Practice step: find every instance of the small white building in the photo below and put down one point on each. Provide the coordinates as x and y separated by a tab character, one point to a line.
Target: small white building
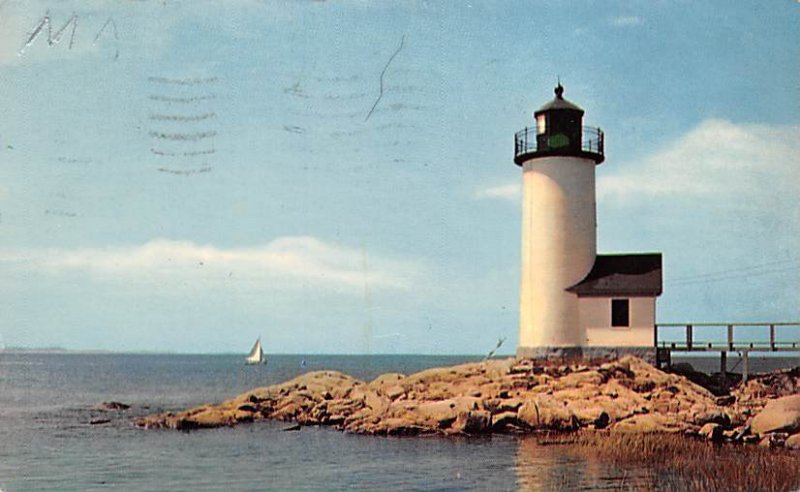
617	304
574	302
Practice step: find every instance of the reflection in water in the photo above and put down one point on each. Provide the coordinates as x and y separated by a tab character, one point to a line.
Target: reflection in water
543	467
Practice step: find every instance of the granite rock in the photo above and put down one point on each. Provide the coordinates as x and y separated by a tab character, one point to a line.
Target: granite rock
510	395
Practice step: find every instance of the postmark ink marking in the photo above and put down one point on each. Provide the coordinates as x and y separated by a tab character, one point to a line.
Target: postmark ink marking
383	72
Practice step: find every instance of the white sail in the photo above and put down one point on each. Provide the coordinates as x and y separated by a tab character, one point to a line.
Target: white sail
256	355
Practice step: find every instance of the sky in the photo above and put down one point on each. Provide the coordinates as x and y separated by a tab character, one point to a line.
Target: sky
337	176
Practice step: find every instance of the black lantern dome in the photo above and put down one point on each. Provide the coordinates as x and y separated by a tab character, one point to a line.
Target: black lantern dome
559	130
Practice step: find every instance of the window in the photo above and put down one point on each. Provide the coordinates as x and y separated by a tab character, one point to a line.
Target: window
540	124
620	312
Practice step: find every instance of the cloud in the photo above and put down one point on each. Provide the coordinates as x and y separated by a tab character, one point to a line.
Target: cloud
626	21
716	158
284	262
511	192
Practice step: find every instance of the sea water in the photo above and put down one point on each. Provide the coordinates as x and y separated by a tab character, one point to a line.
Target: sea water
47	440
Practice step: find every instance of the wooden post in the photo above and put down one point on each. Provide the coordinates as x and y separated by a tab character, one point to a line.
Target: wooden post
730	337
689	337
772	337
723	367
745	366
663	358
655	335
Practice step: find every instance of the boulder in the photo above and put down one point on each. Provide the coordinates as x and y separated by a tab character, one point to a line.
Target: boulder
379	404
318	391
287	412
441	413
711	416
207	417
726	400
711	431
503	421
595	416
668	406
394	392
583	378
436	390
408	409
776	440
472	422
360	420
428	376
344	406
110	406
781	415
510	405
398	426
546	413
242	416
580	394
388	379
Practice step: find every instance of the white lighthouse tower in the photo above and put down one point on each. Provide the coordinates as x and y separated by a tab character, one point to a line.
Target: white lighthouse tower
574	302
559	238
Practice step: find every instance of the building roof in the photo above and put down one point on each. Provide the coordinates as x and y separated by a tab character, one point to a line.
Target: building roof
633	275
559	102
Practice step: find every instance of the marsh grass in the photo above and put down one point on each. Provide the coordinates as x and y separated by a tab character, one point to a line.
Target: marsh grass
681	463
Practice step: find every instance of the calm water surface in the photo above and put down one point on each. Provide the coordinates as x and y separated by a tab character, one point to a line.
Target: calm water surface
47	442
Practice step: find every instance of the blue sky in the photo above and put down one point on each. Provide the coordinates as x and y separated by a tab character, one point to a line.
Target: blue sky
186	176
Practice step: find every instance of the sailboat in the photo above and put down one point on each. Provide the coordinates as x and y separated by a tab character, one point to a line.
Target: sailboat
256	355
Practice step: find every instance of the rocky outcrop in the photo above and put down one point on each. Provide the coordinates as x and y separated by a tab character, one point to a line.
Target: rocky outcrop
627	395
112	406
762	387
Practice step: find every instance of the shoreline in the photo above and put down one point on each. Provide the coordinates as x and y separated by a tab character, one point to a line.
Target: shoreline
517	396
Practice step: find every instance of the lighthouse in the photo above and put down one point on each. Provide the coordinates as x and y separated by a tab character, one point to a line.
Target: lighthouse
573	302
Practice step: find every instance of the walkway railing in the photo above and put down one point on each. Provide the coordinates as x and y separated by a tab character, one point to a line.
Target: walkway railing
696	337
728	337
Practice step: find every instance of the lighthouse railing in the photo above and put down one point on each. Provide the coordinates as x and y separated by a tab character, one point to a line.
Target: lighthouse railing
592	140
525	141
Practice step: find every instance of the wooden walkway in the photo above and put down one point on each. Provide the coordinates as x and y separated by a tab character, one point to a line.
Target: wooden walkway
736	337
